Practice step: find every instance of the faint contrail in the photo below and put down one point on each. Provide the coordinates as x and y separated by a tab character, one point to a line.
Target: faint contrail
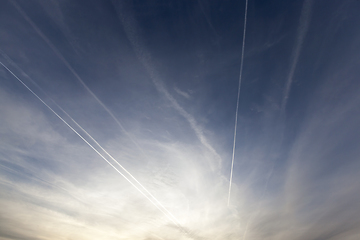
237	102
59	55
162	208
207	18
144	56
301	33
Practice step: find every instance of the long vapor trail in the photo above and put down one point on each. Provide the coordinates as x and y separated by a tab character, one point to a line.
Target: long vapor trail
71	69
161	207
237	102
88	134
301	33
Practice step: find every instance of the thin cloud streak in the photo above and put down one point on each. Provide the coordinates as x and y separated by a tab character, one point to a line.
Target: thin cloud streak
71	69
144	56
304	22
182	93
237	103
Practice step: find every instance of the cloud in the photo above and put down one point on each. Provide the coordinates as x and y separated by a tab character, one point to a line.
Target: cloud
182	93
132	32
320	191
301	33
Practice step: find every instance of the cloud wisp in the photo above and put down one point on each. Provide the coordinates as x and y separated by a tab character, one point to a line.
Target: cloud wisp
72	70
303	27
132	32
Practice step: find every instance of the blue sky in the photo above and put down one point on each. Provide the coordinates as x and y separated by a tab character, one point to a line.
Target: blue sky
117	120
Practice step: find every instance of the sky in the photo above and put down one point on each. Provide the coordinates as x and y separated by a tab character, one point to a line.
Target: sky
117	119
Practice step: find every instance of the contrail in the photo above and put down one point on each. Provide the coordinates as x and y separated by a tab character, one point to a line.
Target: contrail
191	120
98	144
207	18
59	55
88	134
162	208
237	102
301	33
144	56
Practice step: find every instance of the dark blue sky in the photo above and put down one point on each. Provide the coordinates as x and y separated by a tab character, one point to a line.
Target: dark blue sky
117	119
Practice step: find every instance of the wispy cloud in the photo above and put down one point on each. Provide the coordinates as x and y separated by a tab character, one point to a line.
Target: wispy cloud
304	22
132	32
72	70
182	93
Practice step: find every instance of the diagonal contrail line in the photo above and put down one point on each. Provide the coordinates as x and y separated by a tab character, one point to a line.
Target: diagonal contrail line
88	134
237	102
169	216
98	144
71	69
302	30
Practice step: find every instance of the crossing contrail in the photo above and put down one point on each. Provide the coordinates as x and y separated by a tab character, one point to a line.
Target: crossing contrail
158	206
237	102
71	69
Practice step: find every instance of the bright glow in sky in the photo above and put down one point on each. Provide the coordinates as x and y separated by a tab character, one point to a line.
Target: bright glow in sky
117	120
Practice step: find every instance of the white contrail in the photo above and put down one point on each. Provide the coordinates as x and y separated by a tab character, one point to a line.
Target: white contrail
59	55
301	33
98	144
207	18
237	102
144	56
162	208
88	134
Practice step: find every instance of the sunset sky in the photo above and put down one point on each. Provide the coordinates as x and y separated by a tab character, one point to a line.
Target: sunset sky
117	120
